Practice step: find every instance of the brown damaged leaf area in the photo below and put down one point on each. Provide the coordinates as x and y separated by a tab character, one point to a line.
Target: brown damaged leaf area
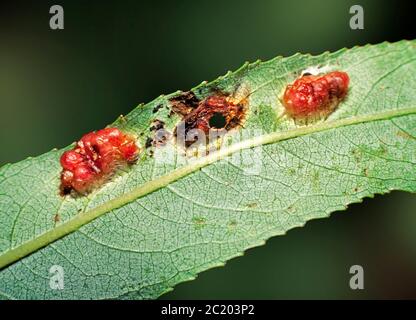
160	136
216	114
184	103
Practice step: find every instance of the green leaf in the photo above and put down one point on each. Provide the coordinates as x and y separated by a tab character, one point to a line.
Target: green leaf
159	223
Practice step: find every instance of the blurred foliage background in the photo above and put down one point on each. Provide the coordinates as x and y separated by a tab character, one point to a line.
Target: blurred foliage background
112	55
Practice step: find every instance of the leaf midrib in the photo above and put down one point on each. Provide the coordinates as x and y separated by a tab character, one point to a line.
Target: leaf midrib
82	219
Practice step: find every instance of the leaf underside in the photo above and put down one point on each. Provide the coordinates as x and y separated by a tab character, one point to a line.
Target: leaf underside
155	225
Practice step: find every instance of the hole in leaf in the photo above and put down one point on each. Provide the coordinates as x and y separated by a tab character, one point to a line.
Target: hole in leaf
217	121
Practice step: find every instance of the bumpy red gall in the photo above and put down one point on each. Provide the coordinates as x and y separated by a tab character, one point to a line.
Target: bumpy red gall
315	96
95	157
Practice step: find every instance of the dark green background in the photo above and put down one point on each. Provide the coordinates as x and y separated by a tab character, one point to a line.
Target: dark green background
112	55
